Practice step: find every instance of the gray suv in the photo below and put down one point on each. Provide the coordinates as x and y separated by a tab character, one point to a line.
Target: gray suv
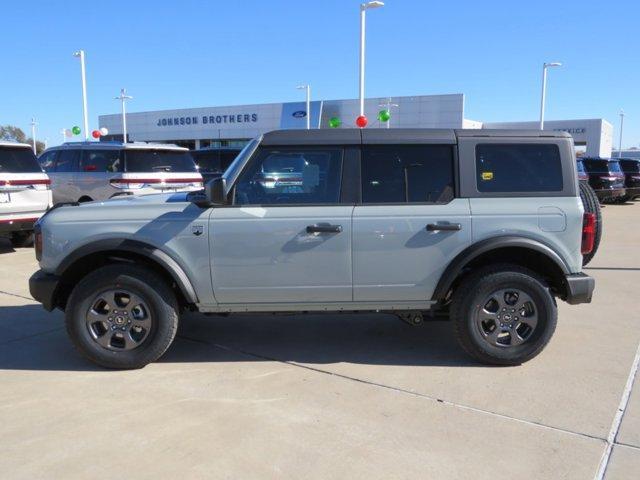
87	171
484	226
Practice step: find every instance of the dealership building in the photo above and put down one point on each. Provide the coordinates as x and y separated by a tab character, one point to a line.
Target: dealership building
235	125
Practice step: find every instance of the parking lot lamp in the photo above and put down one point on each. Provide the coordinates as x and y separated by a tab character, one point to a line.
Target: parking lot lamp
123	97
80	54
363	8
621	125
307	87
544	88
33	134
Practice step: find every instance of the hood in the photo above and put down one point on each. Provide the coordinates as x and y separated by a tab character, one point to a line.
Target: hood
153	198
129	208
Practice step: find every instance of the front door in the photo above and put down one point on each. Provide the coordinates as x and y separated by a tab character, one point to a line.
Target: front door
287	236
410	224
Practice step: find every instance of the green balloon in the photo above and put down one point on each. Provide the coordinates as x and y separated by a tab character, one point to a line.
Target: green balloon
384	115
334	122
76	130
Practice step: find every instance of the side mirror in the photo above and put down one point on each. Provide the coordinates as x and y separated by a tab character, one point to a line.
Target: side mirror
214	193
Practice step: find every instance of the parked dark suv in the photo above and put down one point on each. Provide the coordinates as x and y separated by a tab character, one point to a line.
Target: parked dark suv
212	162
631	169
605	177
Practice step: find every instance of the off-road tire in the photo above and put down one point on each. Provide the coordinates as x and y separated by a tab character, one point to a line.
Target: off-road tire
591	205
468	300
144	283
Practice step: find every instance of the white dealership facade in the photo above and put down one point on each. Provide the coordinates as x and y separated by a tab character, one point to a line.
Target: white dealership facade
234	125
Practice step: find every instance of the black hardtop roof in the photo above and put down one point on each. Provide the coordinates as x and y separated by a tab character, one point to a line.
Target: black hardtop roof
353	136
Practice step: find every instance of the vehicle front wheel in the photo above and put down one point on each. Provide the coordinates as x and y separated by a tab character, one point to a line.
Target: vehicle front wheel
122	316
503	315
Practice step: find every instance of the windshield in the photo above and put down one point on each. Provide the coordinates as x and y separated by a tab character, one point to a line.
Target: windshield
233	171
580	167
148	160
18	160
614	166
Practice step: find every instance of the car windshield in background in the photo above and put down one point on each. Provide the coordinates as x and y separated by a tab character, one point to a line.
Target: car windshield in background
596	166
615	167
214	161
630	166
147	160
18	160
284	164
581	167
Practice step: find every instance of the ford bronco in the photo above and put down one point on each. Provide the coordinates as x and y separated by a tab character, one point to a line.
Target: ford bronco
484	226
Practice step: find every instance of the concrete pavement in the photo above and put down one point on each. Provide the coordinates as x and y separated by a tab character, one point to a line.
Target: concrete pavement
326	396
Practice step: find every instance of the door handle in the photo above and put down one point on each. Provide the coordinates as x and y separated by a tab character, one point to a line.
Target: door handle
443	227
324	228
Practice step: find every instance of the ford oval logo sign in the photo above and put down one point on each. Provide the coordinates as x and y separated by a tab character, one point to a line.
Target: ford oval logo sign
299	114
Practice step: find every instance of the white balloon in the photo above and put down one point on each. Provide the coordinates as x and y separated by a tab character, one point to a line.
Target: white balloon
104	131
68	132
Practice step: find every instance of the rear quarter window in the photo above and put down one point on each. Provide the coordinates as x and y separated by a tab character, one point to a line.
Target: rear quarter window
18	160
518	168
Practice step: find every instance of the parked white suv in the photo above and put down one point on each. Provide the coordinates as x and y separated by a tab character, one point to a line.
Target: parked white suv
25	192
87	171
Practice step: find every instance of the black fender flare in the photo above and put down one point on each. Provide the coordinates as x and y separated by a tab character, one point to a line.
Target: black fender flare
140	248
457	264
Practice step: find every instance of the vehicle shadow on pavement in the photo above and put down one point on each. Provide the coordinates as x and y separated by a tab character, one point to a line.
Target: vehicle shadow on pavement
33	339
5	246
375	339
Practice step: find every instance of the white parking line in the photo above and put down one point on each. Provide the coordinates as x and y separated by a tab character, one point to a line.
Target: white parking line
617	419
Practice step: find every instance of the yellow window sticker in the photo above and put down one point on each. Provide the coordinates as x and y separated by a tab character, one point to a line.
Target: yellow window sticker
487	175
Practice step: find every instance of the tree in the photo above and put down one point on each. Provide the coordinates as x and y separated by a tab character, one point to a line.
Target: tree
14	134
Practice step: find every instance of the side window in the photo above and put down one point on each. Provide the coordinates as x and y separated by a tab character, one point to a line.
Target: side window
48	161
407	174
518	168
291	176
101	161
67	161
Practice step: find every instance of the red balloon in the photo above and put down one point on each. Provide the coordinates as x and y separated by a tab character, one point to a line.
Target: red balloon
96	134
361	121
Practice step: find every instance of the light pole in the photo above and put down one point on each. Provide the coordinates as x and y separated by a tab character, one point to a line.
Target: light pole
544	88
123	97
363	9
307	87
388	106
621	125
33	134
85	115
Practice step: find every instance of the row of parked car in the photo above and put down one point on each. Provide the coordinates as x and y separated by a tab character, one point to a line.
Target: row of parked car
88	171
614	180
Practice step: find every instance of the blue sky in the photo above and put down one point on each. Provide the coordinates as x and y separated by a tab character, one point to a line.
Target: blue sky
205	53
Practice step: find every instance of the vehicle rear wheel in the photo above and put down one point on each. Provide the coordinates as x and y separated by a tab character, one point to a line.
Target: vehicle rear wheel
503	314
591	205
22	239
122	316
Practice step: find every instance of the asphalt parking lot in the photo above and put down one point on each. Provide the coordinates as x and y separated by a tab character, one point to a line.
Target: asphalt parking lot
327	396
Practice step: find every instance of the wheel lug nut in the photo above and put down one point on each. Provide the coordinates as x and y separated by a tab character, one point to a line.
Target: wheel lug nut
113	327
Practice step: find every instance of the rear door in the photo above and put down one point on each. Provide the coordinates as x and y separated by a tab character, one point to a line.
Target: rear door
285	240
64	184
410	224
